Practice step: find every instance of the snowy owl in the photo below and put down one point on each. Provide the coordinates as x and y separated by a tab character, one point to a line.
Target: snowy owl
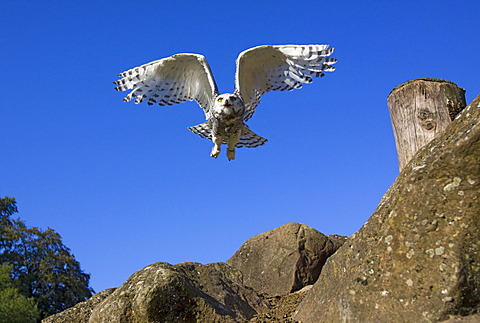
187	77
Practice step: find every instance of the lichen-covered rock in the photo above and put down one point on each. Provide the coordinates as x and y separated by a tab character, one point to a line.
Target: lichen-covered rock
281	307
285	259
417	259
81	312
464	319
187	292
337	240
290	257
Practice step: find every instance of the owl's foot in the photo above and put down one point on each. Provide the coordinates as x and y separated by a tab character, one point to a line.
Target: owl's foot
217	142
232	142
231	154
215	151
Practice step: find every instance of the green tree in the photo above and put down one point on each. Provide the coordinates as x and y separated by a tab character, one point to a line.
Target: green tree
43	267
14	307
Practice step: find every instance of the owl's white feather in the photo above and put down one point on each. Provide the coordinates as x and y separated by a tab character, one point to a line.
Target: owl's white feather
171	80
187	77
248	139
278	68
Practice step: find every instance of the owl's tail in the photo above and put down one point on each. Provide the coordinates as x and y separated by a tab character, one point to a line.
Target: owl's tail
248	139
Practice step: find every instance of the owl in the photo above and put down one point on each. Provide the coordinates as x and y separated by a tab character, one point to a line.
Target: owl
187	77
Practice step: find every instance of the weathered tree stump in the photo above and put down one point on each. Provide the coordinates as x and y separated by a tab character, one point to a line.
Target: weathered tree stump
420	109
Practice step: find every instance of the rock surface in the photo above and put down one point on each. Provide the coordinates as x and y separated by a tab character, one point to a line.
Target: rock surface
81	312
464	319
192	292
281	307
417	259
285	259
187	292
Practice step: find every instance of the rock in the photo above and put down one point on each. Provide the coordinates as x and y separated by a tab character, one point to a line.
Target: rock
81	312
417	258
192	292
281	307
285	259
464	319
337	240
187	292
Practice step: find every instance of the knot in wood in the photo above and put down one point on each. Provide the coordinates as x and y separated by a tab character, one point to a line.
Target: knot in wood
427	119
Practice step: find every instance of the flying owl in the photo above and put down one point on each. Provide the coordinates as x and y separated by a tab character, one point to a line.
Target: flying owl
187	77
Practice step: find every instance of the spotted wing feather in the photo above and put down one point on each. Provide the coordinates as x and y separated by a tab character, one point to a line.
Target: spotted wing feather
248	138
171	80
279	68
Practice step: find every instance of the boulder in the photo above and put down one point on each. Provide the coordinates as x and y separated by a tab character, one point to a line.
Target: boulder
285	259
187	292
417	258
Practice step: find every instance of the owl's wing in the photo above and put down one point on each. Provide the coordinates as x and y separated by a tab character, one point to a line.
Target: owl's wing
278	68
171	80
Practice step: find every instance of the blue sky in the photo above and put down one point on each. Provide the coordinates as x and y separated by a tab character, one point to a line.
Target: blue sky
128	185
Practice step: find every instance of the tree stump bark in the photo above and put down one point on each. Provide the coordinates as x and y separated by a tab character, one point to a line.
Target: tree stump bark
420	109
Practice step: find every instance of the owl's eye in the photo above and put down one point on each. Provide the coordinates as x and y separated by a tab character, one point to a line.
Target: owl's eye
220	99
233	98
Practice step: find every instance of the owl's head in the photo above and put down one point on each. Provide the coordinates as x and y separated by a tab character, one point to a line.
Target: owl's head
228	104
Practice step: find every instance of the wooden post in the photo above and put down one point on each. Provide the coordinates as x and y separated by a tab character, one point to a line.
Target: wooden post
420	109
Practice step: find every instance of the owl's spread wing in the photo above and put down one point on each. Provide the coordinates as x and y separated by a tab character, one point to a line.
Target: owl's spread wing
171	80
278	68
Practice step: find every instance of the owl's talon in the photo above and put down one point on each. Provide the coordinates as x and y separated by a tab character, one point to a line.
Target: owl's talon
231	154
215	152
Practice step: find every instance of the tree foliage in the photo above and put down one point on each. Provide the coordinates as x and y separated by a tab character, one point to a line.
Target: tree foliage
14	307
43	267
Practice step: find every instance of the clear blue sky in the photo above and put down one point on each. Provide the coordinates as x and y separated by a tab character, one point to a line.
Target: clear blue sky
128	185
